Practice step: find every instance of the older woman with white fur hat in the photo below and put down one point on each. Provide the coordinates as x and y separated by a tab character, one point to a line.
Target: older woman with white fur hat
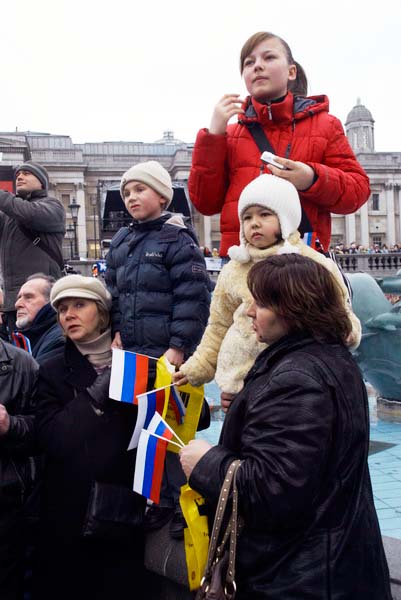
269	211
84	436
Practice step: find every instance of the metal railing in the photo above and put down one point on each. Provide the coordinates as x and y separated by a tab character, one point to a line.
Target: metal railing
375	264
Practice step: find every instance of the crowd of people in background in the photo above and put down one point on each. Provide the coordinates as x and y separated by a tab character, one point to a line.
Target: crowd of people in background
355	248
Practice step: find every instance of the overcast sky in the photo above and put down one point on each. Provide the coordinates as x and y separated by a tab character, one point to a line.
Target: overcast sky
120	70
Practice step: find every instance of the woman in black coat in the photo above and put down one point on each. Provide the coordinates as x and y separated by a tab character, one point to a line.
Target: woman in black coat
84	436
301	427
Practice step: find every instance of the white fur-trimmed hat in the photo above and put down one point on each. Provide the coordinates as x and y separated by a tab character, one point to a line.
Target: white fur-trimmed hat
278	195
153	174
78	286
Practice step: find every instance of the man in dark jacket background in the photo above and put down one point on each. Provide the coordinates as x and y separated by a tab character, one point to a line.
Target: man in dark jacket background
32	227
3	328
18	376
36	318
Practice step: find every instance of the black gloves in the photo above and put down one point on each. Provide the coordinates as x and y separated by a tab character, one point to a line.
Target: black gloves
99	390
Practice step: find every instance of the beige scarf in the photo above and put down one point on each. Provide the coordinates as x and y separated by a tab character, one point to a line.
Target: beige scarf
97	351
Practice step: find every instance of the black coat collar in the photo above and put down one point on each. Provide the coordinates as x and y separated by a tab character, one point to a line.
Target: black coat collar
44	320
80	373
275	351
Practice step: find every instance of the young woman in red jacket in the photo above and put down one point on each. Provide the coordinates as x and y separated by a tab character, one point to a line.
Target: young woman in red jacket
309	142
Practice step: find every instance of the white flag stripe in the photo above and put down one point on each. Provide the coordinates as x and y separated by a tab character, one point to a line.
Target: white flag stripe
140	420
117	374
154	422
140	462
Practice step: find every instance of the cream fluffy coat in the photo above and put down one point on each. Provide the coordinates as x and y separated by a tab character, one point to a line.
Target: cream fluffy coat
229	347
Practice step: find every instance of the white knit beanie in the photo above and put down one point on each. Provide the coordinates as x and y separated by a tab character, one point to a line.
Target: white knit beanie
278	195
152	174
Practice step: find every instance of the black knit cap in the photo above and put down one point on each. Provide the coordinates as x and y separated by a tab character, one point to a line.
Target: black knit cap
37	170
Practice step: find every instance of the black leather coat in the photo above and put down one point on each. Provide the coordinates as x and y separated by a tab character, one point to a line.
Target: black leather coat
18	375
301	427
79	445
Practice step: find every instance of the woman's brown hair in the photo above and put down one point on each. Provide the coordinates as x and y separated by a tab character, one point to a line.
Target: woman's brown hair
303	293
299	87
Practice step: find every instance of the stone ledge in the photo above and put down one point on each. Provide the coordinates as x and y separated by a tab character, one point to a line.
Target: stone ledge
392	547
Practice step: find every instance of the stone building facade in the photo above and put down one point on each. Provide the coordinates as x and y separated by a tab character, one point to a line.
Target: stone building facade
377	221
83	174
89	174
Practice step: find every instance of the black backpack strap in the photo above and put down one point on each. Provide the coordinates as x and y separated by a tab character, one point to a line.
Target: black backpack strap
34	236
263	143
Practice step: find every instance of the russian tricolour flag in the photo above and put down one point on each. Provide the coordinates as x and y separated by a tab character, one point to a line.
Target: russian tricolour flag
309	238
149	403
129	375
177	405
150	458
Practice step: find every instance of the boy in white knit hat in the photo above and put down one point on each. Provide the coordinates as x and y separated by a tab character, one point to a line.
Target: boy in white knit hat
160	289
269	211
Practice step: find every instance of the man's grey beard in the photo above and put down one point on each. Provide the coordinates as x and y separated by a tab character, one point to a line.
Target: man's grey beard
23	322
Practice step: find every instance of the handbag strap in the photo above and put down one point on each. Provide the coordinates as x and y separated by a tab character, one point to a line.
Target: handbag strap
235	527
215	551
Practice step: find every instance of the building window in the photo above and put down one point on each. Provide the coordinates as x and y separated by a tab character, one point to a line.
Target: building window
377	239
375	201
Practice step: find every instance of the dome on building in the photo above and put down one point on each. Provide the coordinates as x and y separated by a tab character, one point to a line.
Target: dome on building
359	113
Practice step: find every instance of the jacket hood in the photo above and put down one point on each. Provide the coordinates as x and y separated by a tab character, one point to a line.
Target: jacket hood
289	109
165	217
176	220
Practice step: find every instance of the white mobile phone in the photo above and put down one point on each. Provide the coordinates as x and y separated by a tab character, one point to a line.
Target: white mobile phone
270	158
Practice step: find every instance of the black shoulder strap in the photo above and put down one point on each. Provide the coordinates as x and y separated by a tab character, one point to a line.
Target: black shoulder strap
37	241
263	143
261	139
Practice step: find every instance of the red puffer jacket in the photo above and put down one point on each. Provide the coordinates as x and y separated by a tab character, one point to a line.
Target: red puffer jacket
297	128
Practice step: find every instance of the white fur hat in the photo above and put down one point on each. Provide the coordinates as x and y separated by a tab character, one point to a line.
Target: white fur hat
153	174
278	195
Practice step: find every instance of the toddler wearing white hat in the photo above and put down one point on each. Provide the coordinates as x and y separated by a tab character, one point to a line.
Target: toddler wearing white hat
269	211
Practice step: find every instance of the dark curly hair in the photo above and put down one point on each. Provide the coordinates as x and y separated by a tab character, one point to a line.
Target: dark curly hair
303	293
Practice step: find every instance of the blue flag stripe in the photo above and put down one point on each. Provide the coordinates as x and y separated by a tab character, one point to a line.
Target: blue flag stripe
127	392
149	465
151	408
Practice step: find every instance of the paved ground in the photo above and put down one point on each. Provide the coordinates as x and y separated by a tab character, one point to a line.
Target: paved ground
385	471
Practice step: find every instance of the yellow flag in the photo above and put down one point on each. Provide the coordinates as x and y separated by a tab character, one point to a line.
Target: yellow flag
192	398
196	535
164	371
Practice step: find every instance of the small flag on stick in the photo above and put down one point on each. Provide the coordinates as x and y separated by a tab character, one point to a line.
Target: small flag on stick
150	457
149	403
129	375
177	404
